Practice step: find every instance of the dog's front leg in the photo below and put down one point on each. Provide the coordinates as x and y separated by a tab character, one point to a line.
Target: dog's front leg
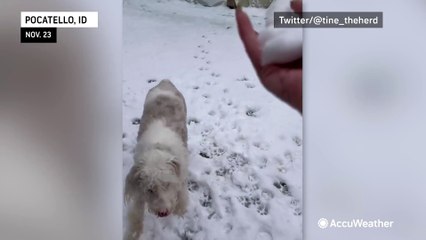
135	214
182	201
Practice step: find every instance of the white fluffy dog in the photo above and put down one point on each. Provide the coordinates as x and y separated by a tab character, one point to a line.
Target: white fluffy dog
159	174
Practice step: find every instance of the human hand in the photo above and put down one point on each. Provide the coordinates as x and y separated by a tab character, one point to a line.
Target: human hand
283	80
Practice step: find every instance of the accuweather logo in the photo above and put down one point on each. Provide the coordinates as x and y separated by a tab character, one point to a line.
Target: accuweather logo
354	223
323	223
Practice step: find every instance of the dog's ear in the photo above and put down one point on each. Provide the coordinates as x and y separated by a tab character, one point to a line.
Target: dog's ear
175	164
131	184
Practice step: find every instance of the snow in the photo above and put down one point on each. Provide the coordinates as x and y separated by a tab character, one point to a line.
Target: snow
245	165
211	3
280	45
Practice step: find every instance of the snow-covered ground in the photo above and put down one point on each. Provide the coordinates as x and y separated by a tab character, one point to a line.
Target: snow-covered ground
245	145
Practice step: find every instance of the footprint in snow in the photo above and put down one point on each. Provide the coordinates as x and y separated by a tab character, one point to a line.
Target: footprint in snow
289	156
222	172
228	227
206	201
242	79
252	112
263	236
205	154
261	146
136	121
297	140
193	186
248	85
193	121
282	187
248	201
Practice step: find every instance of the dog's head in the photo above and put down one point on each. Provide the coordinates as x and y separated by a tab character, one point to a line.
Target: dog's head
157	181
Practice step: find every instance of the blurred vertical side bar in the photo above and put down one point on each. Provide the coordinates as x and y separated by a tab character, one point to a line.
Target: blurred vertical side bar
60	126
365	115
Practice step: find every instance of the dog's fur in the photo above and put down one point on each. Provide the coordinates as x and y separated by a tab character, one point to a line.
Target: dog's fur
159	174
